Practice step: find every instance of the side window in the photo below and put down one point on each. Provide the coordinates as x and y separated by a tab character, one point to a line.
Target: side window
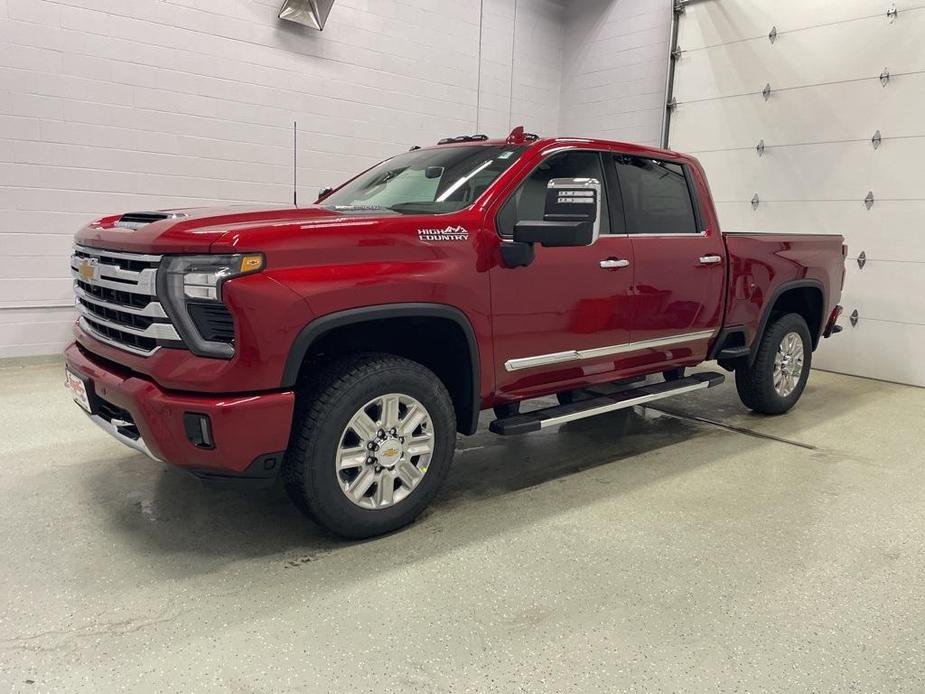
529	200
656	196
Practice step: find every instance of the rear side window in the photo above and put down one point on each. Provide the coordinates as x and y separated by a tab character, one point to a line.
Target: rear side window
656	196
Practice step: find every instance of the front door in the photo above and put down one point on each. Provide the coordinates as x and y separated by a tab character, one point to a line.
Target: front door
563	318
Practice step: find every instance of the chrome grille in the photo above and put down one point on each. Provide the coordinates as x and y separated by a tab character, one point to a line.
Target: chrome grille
117	299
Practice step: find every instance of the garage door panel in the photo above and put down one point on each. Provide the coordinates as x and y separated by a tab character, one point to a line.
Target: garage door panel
722	21
888	231
803	58
804	115
25	332
39	290
836	171
818	163
881	291
876	349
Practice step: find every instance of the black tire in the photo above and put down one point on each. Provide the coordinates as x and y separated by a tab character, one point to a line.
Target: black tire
326	405
755	383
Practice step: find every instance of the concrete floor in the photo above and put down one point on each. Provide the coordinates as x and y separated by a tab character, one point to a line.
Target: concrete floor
632	552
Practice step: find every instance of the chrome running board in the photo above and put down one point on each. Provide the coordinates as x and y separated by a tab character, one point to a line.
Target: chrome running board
552	416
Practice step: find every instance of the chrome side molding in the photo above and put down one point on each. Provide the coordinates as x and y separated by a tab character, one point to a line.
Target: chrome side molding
594	353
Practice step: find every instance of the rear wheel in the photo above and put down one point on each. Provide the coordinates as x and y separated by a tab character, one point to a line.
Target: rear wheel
776	379
371	445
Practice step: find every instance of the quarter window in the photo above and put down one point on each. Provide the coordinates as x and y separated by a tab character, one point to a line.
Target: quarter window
656	196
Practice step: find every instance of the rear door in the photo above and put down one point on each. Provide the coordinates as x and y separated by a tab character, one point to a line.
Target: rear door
679	261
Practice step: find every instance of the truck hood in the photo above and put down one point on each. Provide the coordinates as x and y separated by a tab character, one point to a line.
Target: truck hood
195	230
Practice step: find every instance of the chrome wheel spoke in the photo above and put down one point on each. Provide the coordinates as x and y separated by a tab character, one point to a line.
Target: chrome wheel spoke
408	474
385	488
413	419
390	405
363	426
349	458
361	484
419	445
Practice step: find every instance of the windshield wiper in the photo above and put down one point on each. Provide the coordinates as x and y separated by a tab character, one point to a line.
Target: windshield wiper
425	207
351	208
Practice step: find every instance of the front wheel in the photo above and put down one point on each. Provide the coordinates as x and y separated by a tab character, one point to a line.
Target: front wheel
776	379
372	443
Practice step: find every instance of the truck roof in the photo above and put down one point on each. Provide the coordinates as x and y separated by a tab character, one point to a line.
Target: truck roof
519	137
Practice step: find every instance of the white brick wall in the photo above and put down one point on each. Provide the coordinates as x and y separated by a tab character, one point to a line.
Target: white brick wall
615	67
115	105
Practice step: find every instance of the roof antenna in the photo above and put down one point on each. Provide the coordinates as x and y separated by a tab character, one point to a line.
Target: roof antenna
295	190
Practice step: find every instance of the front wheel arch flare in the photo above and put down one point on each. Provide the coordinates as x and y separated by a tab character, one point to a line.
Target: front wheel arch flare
467	400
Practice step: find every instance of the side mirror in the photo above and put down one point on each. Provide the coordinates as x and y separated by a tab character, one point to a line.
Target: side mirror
572	216
323	193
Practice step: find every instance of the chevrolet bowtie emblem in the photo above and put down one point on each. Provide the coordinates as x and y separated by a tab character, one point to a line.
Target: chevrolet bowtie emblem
390	452
88	270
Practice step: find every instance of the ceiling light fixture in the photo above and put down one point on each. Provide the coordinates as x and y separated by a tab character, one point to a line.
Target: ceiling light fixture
311	13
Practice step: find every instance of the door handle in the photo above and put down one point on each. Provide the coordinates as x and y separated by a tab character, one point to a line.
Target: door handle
614	263
710	260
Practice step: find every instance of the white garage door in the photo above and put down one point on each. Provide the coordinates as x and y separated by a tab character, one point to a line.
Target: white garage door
823	62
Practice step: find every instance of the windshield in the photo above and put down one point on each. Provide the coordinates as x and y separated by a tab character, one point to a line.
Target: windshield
426	181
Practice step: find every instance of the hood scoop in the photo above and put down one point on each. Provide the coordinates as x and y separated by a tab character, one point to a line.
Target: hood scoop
136	220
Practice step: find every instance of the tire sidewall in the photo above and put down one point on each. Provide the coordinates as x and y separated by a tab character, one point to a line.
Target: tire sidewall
328	500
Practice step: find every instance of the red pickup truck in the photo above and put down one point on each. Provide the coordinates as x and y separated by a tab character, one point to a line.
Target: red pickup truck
345	344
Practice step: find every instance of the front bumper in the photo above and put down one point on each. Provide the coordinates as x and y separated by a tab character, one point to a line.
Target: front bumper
249	432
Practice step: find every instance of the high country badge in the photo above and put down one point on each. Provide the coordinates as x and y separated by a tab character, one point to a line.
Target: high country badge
448	234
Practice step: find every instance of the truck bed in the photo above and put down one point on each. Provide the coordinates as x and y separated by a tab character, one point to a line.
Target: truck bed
762	265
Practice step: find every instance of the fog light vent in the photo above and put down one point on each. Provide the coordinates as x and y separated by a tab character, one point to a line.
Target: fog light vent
198	429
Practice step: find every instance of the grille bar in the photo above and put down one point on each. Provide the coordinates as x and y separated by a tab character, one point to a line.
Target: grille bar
155	331
144	350
121	255
152	310
146	284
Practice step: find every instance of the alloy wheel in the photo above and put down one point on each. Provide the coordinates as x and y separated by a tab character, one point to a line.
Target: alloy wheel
384	451
788	364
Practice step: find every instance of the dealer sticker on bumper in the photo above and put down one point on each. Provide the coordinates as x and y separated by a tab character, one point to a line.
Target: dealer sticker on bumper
78	388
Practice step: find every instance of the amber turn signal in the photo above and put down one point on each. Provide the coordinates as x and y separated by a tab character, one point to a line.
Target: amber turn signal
251	263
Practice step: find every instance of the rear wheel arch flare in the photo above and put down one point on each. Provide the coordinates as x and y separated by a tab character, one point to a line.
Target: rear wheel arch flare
804	297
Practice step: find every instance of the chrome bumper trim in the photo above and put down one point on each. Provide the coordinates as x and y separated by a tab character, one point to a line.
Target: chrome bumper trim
135	444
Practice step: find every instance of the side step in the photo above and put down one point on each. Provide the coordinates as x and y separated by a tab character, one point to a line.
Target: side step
733	353
551	416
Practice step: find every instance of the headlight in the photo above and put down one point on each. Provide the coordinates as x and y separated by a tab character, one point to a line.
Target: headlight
189	281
